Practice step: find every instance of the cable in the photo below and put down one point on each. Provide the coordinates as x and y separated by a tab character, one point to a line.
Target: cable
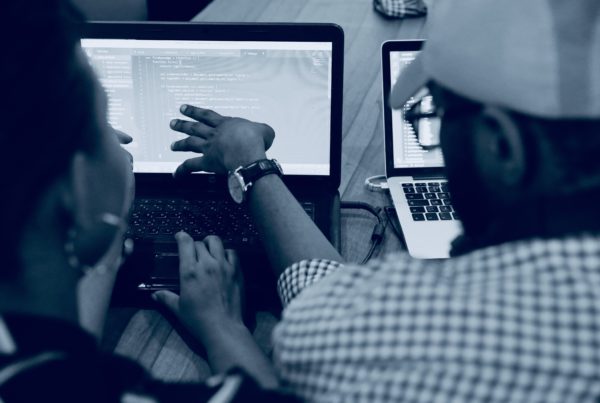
377	183
390	212
378	230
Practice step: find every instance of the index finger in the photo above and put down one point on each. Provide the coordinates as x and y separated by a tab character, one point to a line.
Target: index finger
187	252
207	116
123	137
190	165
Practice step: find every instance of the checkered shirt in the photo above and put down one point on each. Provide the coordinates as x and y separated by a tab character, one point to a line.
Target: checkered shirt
400	8
519	322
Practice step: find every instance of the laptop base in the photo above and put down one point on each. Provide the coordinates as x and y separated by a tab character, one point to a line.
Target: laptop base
424	239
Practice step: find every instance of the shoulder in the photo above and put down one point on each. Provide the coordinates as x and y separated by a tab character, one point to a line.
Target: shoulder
351	286
404	323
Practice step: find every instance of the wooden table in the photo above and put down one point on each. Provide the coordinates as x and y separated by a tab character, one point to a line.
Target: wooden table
148	336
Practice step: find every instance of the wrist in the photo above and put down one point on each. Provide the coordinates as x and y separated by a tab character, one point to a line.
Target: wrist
262	184
241	180
210	329
244	160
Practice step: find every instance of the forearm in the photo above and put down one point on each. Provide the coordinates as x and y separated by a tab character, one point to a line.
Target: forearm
288	233
229	345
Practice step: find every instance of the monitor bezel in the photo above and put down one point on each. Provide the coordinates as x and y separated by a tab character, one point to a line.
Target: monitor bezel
272	32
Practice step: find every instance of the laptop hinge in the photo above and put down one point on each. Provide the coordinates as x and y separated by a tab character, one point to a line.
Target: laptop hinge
429	177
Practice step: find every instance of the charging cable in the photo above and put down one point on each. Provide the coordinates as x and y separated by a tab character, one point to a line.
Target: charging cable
377	183
378	230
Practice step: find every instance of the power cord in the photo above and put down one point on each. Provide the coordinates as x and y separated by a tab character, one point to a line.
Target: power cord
378	230
392	218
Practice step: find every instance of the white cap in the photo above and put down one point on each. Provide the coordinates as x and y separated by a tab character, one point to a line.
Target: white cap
538	57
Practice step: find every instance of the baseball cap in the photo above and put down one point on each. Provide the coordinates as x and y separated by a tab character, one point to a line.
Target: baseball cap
538	57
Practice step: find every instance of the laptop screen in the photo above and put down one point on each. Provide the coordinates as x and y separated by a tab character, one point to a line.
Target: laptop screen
284	84
407	153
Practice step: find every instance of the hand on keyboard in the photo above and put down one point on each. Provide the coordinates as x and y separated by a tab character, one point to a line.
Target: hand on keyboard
210	284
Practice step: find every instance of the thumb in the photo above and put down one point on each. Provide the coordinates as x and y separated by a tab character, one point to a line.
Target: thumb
168	299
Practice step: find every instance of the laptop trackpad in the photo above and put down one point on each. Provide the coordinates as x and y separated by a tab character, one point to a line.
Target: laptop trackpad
166	265
152	266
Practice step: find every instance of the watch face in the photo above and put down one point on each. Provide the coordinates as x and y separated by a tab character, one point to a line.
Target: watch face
235	186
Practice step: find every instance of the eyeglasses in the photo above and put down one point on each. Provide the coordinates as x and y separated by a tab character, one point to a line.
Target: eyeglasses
425	119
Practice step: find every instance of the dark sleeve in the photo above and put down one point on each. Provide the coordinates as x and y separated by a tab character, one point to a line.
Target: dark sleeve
233	387
108	379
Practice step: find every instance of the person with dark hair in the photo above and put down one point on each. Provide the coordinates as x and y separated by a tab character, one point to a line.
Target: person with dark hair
67	190
514	315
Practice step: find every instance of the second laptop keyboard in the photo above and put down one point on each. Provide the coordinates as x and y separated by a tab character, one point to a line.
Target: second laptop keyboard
429	201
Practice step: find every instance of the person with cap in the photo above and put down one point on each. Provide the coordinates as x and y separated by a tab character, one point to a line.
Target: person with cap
514	315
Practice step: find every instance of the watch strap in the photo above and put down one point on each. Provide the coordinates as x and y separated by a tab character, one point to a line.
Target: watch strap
258	169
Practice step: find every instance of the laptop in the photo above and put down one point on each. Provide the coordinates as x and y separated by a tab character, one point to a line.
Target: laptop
415	172
286	75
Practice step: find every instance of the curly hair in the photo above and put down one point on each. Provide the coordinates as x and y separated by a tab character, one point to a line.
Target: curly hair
47	113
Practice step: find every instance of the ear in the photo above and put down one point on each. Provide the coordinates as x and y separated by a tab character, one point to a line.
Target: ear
499	149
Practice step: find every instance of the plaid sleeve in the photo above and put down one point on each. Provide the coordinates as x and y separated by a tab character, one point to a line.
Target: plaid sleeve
301	275
400	8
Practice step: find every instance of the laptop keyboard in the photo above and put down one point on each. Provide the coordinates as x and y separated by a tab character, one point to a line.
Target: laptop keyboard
160	219
429	201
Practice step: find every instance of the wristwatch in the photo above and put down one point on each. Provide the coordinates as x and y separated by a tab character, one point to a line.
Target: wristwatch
242	178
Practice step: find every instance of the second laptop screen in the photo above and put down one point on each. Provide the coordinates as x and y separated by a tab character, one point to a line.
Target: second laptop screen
407	152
